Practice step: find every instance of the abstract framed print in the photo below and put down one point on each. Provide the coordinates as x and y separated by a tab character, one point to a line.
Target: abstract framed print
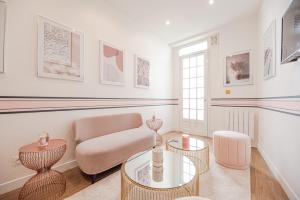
112	64
142	72
238	69
60	51
270	51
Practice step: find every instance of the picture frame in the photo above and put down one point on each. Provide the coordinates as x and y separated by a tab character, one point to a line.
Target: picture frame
3	8
270	51
142	69
112	64
238	69
60	51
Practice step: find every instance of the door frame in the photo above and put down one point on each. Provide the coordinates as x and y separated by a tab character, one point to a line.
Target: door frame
181	120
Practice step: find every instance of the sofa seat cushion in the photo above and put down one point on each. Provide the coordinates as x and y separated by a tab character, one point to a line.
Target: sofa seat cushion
111	150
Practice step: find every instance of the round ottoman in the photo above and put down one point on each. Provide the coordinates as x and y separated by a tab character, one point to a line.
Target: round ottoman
191	198
232	149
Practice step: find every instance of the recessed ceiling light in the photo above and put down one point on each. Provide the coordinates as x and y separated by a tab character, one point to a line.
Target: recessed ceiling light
168	23
211	2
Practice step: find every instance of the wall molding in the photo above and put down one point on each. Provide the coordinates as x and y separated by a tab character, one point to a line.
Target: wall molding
19	182
81	98
279	177
258	98
34	104
286	104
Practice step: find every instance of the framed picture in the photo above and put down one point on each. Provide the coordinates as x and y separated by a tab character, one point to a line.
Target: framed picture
60	51
238	69
142	173
111	64
142	72
270	51
2	33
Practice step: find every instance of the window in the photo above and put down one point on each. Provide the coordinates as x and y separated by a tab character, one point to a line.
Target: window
193	48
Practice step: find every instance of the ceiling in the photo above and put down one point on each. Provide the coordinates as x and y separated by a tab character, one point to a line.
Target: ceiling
187	17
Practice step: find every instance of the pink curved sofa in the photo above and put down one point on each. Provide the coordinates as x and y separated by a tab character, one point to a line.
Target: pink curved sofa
107	141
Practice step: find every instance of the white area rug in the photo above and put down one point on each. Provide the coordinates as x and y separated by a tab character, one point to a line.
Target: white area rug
219	183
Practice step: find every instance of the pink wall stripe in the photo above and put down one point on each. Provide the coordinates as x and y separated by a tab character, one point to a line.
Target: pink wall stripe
22	104
290	105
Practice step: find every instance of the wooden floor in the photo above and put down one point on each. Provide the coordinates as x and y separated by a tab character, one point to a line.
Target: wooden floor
263	184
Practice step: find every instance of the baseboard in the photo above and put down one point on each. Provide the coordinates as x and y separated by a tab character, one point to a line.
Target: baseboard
19	182
282	181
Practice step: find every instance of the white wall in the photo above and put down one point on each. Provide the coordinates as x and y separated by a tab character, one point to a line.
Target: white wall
234	37
279	139
239	35
98	21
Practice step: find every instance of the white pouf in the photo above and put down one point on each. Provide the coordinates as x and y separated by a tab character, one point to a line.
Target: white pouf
232	149
192	198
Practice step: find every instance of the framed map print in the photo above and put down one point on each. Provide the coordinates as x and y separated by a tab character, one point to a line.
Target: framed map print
60	51
111	64
142	72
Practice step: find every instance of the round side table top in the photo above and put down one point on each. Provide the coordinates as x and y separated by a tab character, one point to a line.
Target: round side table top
35	148
194	144
139	168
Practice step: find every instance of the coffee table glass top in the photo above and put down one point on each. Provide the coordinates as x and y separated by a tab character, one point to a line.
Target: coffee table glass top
175	171
193	144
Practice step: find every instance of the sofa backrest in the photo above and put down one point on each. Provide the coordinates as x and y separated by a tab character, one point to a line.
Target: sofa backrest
88	128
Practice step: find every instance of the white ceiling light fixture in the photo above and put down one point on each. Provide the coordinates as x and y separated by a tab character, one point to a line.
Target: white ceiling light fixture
168	23
211	2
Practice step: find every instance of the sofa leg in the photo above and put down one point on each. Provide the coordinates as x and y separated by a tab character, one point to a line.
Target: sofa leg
94	177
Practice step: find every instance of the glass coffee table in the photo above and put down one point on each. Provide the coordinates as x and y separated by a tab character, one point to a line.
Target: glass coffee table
195	149
141	178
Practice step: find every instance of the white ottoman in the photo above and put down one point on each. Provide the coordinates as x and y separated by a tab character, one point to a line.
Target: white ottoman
232	149
192	198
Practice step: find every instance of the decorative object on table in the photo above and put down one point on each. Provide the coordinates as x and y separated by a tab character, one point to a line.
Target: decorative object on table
112	64
155	124
232	149
157	156
44	139
195	149
270	51
158	173
60	51
238	69
2	33
185	141
47	183
169	187
142	72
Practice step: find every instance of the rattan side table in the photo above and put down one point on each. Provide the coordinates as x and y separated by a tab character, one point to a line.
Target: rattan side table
47	183
155	124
